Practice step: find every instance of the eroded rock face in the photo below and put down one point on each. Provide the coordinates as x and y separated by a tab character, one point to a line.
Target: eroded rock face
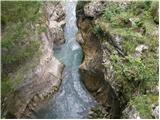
91	70
57	32
42	81
54	10
55	20
79	38
94	8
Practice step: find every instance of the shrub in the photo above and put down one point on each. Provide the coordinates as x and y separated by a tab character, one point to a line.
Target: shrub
13	11
143	106
134	73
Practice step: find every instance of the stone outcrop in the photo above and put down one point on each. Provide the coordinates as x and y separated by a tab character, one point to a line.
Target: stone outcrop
130	112
155	110
42	81
79	38
139	49
54	10
56	31
94	8
55	20
91	70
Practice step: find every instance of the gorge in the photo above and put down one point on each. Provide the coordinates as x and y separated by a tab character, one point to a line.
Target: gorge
80	59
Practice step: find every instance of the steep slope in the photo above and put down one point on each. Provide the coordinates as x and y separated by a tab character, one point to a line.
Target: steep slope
120	40
39	81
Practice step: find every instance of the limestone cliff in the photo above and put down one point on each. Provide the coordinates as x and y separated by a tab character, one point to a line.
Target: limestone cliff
92	69
43	80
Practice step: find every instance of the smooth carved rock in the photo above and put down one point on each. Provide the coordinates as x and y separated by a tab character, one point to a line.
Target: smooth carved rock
91	70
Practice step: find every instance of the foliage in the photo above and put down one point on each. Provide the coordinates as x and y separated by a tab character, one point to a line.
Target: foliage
133	71
14	11
112	10
143	106
98	112
96	29
135	24
20	43
135	75
80	5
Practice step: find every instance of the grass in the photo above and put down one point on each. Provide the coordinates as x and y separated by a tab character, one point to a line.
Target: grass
143	105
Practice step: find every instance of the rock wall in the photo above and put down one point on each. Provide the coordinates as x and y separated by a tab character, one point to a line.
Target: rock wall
92	70
42	81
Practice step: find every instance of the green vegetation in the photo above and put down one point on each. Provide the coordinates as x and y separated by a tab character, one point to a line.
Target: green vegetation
80	5
138	75
143	105
20	42
19	11
136	23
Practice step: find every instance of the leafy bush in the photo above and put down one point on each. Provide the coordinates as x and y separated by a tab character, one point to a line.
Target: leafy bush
80	5
112	10
13	11
96	29
134	73
143	106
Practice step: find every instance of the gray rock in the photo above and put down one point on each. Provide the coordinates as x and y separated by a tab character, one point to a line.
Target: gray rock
54	10
130	112
94	8
155	111
139	50
43	77
79	38
56	31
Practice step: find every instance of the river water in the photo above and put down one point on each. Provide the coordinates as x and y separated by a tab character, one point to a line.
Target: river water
72	99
